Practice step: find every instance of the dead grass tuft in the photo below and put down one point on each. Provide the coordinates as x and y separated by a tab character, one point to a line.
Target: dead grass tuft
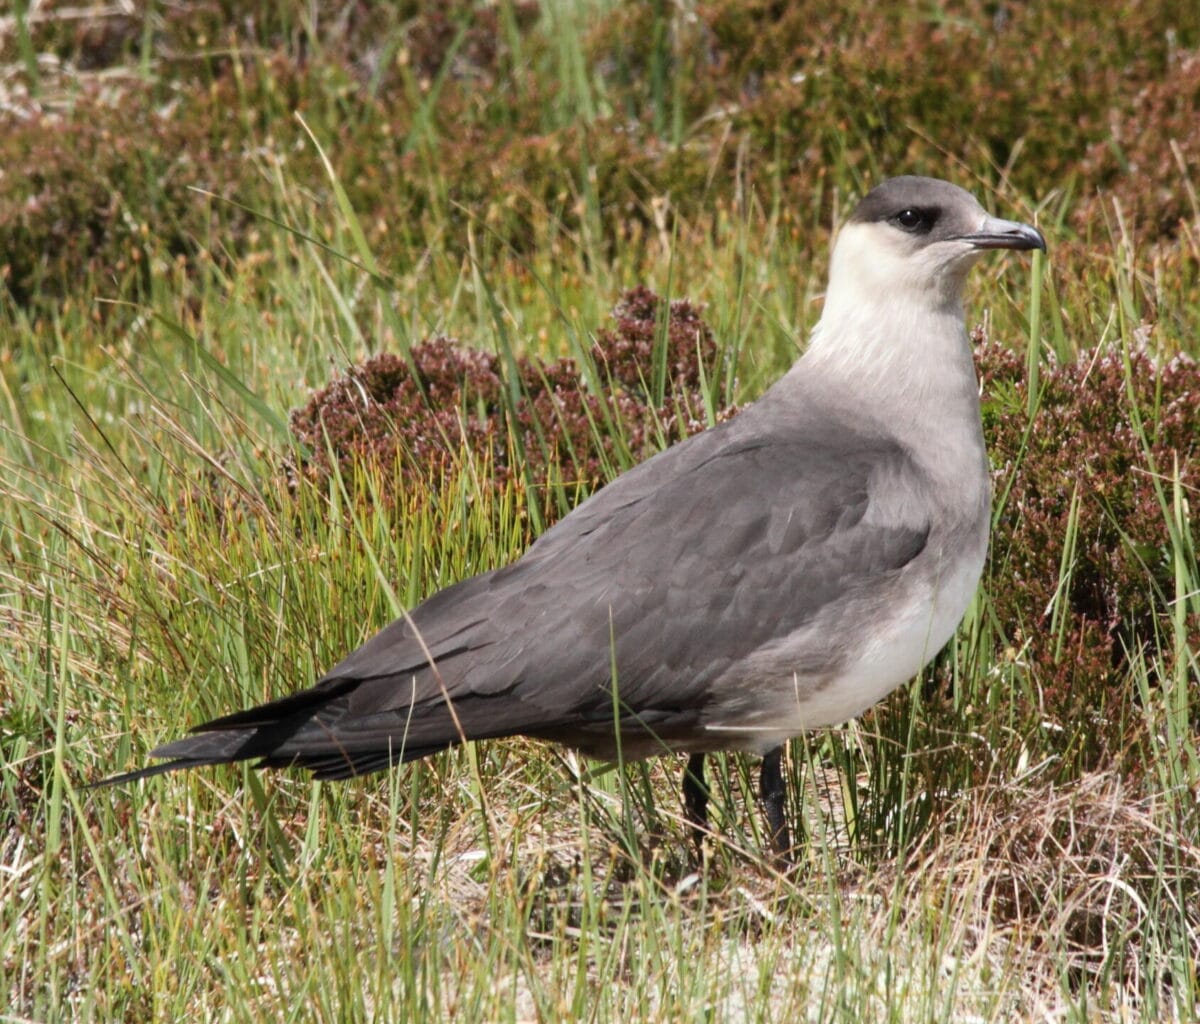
1085	873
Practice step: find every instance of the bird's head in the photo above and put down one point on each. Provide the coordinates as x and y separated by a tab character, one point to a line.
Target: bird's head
916	238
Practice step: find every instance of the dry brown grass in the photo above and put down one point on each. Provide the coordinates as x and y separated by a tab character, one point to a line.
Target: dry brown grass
1074	874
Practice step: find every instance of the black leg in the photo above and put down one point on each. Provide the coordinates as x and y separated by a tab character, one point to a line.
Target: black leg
773	797
695	798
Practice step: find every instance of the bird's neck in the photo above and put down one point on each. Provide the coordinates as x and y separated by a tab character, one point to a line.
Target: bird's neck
905	366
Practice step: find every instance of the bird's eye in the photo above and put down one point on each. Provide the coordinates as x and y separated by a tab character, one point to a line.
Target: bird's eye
914	220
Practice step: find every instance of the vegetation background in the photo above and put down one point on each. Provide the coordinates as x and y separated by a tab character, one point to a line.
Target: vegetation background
308	310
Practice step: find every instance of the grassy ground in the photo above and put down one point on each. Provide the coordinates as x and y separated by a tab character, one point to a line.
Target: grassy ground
1015	836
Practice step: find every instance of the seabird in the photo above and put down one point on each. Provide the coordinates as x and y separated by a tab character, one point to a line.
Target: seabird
776	573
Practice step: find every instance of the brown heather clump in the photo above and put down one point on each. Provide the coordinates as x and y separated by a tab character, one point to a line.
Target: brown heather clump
380	407
819	84
693	109
470	36
1151	163
74	201
1078	618
627	351
548	429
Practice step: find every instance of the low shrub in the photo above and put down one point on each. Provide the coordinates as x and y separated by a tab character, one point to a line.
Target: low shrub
1082	567
421	414
1150	161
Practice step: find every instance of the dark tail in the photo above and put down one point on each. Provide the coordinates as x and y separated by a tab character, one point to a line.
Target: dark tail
299	730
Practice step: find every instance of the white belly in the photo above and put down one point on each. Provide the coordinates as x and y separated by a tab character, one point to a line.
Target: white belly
894	645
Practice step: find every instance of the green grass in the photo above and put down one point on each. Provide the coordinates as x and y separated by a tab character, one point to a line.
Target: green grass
157	570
